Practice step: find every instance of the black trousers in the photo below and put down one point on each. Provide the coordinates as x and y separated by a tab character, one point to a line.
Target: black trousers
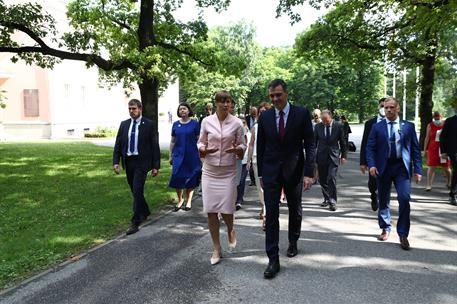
453	190
327	180
136	177
251	175
372	186
272	193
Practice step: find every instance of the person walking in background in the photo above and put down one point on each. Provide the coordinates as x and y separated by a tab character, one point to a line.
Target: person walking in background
316	120
220	144
316	117
244	171
448	141
372	185
251	120
432	151
252	161
346	129
208	112
283	134
184	157
138	150
393	163
331	151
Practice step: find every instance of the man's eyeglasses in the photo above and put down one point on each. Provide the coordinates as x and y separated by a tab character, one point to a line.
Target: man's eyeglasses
277	95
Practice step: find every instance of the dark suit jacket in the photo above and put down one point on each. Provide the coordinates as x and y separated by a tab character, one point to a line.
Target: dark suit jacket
378	147
448	137
148	146
285	157
366	132
248	121
332	149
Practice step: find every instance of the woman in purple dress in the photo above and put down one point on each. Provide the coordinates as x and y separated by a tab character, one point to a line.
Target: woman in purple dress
184	157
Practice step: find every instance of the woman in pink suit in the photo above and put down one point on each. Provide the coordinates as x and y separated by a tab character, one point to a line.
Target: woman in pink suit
220	144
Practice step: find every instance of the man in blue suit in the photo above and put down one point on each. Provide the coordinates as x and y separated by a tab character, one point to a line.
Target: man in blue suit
392	150
283	133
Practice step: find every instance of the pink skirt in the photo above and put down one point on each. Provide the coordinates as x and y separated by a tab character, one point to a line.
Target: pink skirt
219	189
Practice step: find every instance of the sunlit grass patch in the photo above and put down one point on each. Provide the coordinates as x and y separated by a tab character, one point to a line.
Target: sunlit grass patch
58	199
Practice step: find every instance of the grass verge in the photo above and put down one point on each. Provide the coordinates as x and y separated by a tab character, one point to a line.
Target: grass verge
57	199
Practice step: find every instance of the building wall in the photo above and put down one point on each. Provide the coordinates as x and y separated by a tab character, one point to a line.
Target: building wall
71	100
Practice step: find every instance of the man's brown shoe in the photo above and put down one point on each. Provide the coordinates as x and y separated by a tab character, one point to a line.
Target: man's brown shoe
404	244
384	235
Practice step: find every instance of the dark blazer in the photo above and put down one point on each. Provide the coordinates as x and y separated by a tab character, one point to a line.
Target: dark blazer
448	137
332	149
148	146
248	121
366	133
285	157
378	147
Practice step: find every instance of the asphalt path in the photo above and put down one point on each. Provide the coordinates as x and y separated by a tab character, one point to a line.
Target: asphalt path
339	260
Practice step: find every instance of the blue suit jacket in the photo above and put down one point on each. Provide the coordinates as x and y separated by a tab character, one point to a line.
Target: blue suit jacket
377	151
285	157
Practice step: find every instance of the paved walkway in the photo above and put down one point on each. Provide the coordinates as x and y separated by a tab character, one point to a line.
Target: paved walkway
340	260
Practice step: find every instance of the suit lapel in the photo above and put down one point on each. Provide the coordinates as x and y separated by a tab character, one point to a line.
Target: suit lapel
290	118
273	120
384	131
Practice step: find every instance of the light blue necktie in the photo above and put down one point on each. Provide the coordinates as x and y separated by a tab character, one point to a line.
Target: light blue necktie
132	137
393	144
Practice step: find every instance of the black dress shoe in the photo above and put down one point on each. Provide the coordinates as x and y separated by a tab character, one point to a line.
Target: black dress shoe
374	202
325	204
404	244
187	208
332	207
272	269
453	201
237	206
176	208
133	229
292	250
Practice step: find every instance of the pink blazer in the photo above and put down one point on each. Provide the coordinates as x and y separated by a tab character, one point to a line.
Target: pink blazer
221	135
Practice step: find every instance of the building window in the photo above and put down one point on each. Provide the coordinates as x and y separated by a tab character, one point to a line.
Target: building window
67	90
31	103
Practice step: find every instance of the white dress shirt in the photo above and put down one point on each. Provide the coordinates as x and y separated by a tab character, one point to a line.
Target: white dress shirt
135	150
286	114
397	132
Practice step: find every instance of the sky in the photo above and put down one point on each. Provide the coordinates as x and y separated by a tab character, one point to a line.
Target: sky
270	31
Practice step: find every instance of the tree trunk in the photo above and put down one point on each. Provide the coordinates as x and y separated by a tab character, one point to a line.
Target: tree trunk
426	96
149	90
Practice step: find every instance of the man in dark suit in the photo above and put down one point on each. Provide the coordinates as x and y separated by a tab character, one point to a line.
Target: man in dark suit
448	146
138	149
372	187
283	133
392	153
330	152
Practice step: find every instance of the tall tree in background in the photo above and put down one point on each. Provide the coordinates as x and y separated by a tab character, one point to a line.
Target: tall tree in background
129	41
407	33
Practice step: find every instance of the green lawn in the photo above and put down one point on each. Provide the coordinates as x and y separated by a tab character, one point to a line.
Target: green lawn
58	199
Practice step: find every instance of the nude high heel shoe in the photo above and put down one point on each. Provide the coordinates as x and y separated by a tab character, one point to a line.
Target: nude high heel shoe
216	260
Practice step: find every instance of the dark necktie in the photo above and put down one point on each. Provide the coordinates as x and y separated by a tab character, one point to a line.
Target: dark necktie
393	144
132	137
327	132
281	124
